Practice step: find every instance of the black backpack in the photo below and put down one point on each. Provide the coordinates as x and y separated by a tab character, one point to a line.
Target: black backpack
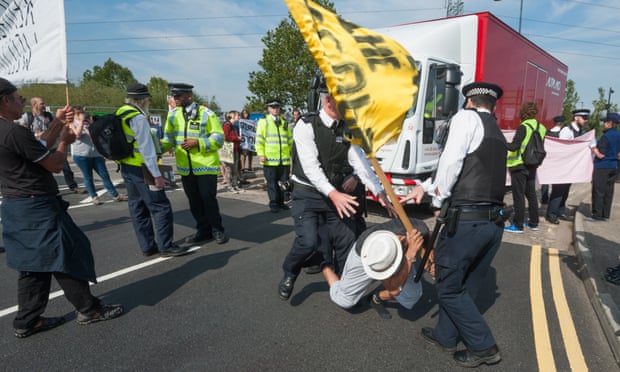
534	152
109	138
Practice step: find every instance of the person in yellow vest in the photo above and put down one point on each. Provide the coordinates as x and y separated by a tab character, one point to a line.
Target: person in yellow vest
149	206
522	176
196	135
273	145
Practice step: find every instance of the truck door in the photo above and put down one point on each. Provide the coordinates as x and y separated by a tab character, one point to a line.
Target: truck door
440	103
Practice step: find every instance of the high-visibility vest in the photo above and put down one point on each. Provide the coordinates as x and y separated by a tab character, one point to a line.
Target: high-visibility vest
204	127
515	157
135	160
274	142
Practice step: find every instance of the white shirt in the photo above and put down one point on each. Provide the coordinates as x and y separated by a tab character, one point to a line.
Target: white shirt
308	156
465	136
140	126
567	132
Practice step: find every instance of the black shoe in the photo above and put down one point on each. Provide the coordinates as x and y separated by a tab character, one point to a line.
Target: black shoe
220	237
613	277
314	269
553	220
101	313
42	325
198	238
285	288
150	253
174	251
471	359
612	269
565	217
429	336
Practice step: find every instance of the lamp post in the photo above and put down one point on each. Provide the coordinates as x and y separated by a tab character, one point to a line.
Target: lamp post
609	99
520	14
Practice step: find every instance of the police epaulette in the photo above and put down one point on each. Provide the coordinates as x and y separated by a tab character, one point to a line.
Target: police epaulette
307	117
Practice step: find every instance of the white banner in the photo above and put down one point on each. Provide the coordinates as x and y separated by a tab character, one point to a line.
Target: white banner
33	42
247	130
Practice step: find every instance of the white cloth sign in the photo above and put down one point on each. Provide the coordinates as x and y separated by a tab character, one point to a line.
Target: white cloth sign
247	130
33	42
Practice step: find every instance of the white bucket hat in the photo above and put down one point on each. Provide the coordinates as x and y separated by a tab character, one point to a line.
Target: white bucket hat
381	254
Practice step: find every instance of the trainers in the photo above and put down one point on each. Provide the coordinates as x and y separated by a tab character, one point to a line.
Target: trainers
532	227
513	229
44	324
101	313
120	198
96	201
220	237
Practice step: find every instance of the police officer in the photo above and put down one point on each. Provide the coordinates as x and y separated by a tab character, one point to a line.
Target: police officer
605	168
471	176
559	192
196	134
273	148
148	204
323	180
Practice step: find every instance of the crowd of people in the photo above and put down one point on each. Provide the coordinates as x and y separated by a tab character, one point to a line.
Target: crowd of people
327	175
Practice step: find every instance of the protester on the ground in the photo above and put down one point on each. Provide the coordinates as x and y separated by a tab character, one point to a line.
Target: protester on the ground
87	158
149	207
522	176
556	210
386	253
606	155
471	177
40	237
231	134
38	121
196	135
327	193
273	145
558	123
246	154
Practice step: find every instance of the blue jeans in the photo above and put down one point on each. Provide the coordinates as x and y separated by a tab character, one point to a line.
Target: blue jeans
87	165
148	209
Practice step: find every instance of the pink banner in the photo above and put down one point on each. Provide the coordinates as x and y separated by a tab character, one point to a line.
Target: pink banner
567	161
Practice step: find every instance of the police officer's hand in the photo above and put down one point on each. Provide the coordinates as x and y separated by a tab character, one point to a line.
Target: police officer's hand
416	195
262	159
188	143
345	204
385	203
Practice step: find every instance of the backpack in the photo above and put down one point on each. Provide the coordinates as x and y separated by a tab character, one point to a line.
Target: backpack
534	152
109	138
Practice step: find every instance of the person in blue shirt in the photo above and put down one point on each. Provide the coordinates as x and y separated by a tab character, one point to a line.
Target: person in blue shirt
605	168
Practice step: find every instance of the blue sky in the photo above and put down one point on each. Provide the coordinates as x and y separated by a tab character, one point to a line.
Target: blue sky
214	44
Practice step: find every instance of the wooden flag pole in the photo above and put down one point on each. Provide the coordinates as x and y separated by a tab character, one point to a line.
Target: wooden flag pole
400	211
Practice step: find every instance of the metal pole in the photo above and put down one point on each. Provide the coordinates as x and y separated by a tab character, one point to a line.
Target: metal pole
609	98
520	15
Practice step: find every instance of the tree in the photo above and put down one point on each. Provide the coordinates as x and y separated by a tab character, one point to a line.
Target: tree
288	67
570	101
111	75
158	87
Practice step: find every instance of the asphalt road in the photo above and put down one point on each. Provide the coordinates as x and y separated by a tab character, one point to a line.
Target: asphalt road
217	309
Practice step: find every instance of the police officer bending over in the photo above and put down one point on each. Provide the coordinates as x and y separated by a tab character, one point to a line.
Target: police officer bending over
472	174
323	173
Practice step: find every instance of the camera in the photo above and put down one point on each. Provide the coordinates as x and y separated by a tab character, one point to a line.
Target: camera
285	186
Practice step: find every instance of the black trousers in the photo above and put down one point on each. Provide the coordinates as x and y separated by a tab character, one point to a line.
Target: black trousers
524	186
201	192
603	181
33	290
557	200
273	174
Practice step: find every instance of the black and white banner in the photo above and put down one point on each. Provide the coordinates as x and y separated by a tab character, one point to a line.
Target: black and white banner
33	42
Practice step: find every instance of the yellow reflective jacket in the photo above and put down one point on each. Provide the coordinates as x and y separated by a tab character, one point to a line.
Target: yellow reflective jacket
274	142
199	123
516	157
135	160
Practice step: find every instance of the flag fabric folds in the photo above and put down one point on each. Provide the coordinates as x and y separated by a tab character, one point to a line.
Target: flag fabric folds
371	76
33	46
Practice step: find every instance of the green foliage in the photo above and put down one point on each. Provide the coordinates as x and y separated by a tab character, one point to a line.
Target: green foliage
158	87
570	101
287	68
111	75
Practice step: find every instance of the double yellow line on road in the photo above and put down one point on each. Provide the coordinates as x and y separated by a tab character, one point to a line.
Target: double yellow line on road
542	341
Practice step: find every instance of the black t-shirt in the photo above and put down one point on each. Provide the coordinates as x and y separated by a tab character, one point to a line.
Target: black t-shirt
20	174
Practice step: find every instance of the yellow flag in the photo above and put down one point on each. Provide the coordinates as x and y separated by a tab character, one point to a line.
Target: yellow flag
370	76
